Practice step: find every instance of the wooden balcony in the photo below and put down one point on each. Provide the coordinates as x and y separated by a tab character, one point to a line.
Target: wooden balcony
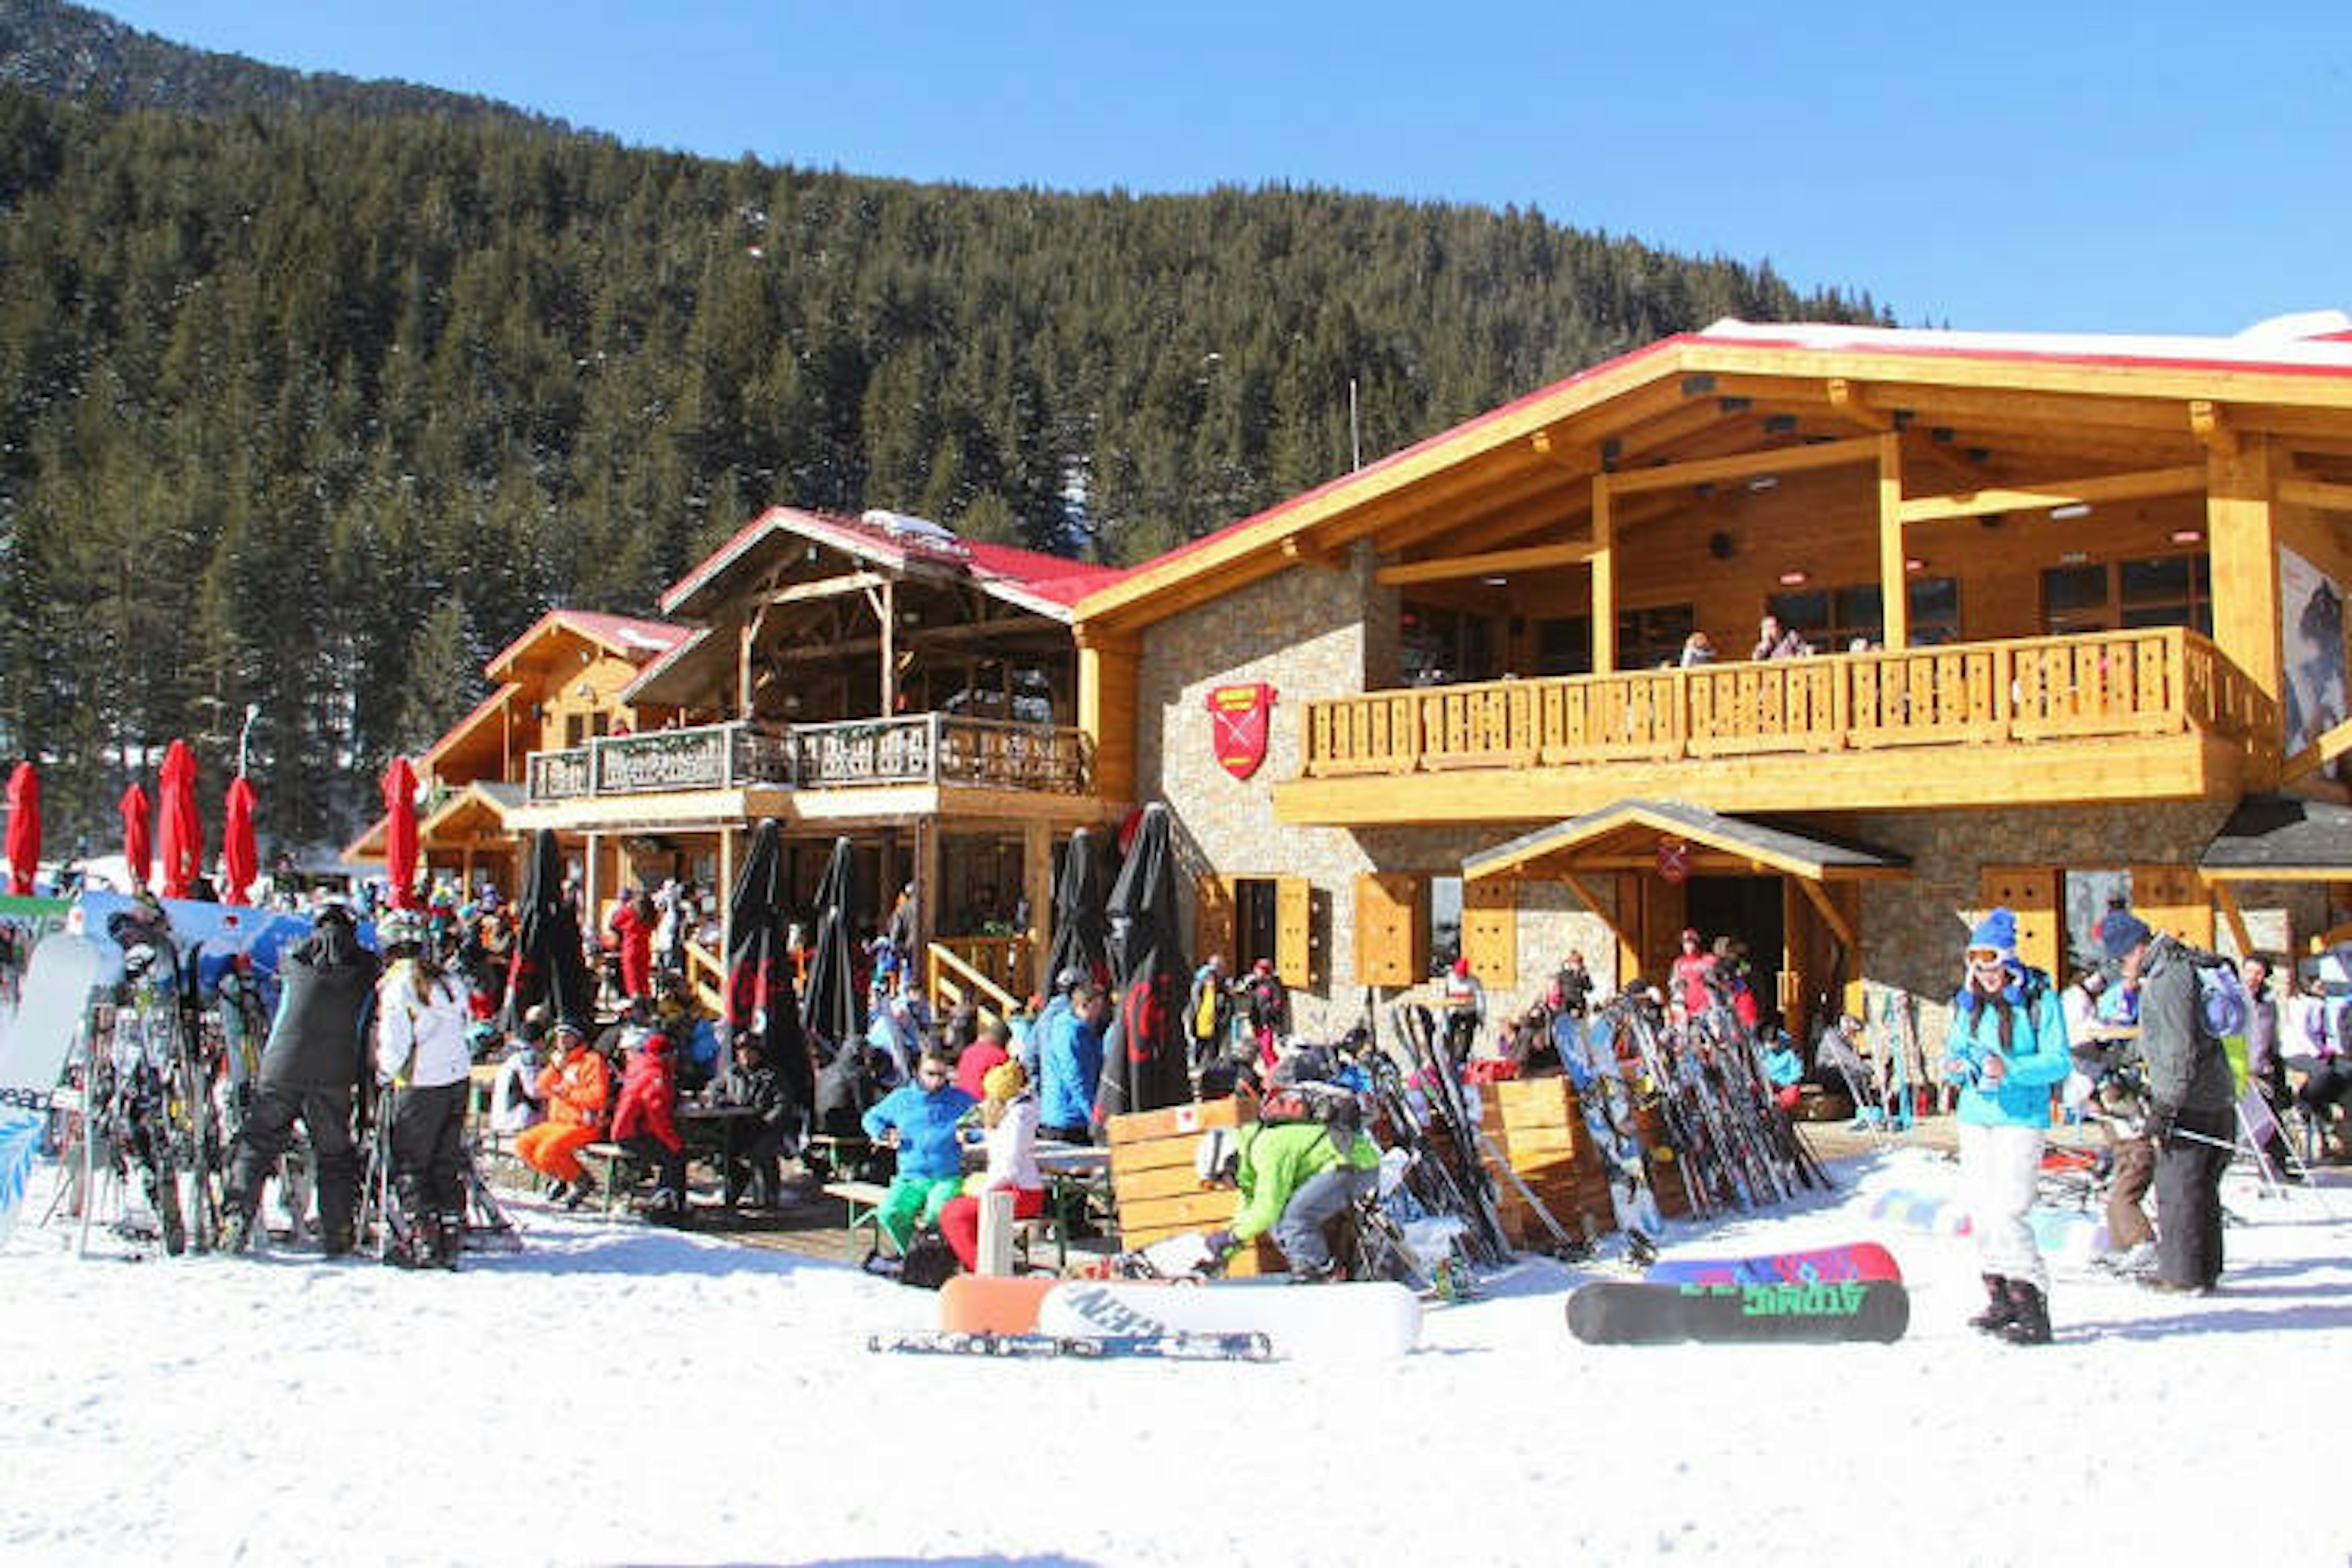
923	749
2148	714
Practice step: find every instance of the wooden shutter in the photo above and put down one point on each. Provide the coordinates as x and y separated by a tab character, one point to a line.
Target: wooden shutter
1294	932
2174	899
2032	892
1212	920
1392	928
1490	929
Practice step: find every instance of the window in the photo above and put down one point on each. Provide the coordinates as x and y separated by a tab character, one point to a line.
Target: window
1653	636
1441	647
1831	619
1564	646
2168	591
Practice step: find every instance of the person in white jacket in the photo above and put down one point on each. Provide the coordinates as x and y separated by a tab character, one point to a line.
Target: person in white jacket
1010	1115
515	1101
424	1063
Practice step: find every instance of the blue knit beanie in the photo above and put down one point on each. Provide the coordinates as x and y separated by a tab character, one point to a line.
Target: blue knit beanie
2120	932
1997	931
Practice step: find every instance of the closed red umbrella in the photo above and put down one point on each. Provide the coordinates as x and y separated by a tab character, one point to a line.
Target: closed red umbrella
400	833
138	848
240	860
23	829
183	835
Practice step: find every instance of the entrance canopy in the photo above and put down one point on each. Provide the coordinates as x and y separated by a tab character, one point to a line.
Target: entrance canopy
1635	834
2277	838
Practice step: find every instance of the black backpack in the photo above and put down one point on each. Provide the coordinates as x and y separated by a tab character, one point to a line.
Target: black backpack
930	1262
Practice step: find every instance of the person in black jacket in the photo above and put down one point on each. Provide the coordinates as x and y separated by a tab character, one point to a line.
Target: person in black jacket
752	1084
2191	1116
313	1062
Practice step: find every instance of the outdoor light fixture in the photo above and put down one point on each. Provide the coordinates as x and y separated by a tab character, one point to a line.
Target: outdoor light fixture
1791	579
1763	481
2188	535
2069	513
2073	557
1497	582
1915	565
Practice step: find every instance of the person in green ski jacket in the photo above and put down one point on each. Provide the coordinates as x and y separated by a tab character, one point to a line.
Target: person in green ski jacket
1295	1177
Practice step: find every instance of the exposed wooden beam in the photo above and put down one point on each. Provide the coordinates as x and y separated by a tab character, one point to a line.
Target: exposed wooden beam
1832	916
2069	492
2227	897
825	587
1742	465
2320	493
1494	564
1607	916
1604	578
2331	745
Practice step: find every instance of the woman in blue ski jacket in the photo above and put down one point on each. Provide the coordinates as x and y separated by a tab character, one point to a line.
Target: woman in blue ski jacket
2007	1051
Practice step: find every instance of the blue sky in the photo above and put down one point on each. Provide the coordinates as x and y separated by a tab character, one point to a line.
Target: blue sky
2066	166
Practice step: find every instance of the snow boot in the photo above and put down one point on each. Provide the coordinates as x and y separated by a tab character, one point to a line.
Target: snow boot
582	1191
447	1238
338	1238
2001	1307
2029	1319
236	1230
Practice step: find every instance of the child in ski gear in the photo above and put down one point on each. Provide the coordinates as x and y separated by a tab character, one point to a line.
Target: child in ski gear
2192	1099
1268	1005
421	1018
1296	1178
644	1119
1010	1115
1689	974
1207	1011
2006	1051
310	1068
1784	1069
1070	1063
918	1119
515	1101
574	1088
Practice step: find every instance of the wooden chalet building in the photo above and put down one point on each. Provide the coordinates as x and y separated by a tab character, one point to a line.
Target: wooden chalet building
2074	599
558	684
873	677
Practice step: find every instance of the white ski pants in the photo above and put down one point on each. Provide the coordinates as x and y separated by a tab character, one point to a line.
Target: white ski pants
1998	1168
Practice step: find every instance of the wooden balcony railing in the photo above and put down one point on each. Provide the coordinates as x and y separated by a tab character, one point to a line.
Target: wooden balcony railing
925	748
2154	681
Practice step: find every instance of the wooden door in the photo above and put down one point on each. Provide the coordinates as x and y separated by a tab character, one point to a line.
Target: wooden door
1294	932
2033	894
1212	920
1490	929
1391	941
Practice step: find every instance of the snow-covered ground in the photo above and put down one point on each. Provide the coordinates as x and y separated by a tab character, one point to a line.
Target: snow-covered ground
617	1394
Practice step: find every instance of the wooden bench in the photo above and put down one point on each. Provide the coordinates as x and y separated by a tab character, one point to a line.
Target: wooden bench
614	1160
864	1201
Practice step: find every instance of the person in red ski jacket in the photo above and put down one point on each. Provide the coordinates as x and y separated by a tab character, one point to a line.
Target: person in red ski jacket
645	1122
632	930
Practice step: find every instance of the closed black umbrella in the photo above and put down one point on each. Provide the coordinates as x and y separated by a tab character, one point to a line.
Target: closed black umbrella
831	1012
760	1000
1144	1050
548	966
1081	934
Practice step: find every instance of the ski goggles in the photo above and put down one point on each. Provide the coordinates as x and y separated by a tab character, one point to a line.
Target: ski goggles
1986	958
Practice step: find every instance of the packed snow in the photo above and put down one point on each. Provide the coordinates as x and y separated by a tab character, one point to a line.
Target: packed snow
621	1393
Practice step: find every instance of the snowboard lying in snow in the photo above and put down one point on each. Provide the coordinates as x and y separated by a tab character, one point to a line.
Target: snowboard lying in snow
1000	1304
1620	1313
1822	1266
1353	1322
1080	1347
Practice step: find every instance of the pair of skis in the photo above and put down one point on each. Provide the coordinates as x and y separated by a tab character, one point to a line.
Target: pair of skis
1079	1347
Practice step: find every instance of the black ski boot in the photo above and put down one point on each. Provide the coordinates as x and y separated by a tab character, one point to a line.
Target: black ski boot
337	1239
447	1235
2001	1307
582	1191
2028	1318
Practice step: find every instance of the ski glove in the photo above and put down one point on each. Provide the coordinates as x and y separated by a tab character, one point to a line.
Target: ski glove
1220	1244
2159	1126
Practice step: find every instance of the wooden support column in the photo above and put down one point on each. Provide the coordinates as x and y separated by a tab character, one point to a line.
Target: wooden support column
592	879
1108	696
743	670
2242	533
929	888
1604	581
1893	585
726	893
1037	887
889	611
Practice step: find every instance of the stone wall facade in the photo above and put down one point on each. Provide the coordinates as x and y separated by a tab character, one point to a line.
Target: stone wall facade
1311	632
